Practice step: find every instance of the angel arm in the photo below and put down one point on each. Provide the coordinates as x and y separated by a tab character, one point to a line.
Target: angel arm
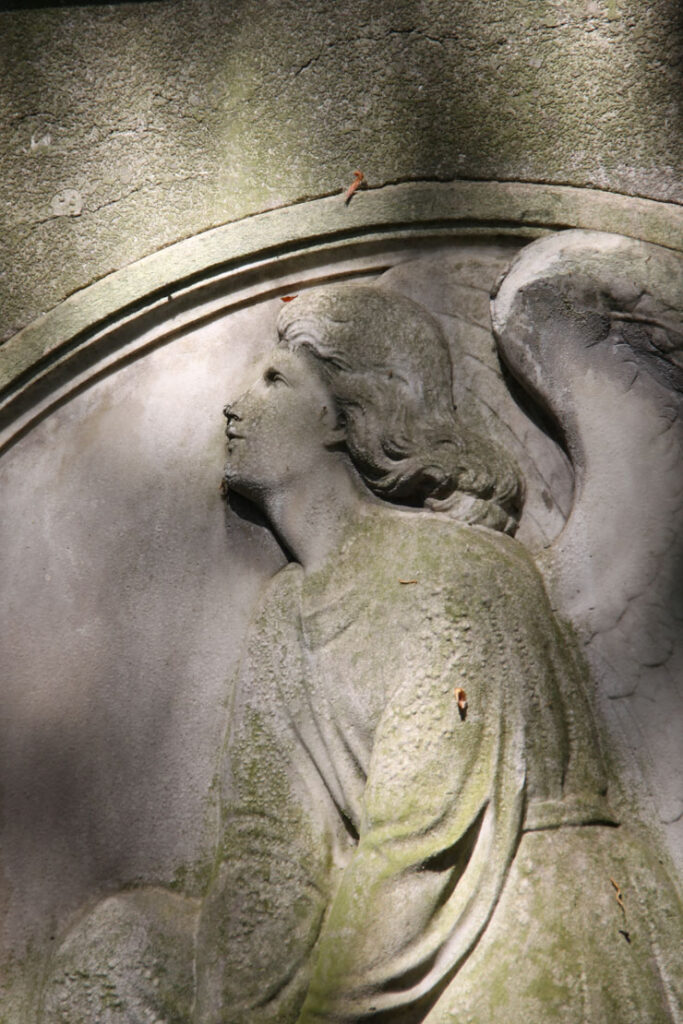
442	814
272	882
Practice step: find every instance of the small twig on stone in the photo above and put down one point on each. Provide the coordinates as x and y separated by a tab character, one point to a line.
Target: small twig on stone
358	179
620	900
619	897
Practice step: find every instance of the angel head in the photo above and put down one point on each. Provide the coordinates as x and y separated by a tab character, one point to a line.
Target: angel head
368	372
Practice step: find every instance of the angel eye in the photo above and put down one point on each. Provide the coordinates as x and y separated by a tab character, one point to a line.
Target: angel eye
272	376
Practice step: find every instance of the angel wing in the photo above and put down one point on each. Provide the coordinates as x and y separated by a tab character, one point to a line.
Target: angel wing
591	325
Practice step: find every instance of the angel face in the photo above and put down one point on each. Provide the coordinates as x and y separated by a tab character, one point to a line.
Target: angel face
277	430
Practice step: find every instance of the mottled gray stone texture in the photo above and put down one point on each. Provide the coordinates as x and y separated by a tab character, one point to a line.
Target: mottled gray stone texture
235	790
128	127
412	817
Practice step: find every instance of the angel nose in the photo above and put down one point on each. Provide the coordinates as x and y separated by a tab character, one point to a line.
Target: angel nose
230	414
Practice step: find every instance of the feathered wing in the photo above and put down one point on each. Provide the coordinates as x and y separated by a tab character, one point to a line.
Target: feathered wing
591	325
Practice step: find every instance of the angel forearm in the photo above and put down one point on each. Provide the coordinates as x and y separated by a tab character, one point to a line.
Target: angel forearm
259	922
381	929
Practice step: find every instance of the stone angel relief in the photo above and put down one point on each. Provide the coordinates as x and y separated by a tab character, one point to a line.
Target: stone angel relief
420	816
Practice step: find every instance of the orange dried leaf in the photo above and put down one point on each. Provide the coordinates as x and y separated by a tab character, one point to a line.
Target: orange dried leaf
358	179
288	298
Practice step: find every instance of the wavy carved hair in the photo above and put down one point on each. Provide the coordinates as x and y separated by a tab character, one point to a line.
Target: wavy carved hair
387	364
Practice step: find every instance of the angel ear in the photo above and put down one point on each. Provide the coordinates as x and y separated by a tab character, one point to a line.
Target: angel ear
333	424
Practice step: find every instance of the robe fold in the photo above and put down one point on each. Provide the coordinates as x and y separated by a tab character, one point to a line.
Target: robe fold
372	829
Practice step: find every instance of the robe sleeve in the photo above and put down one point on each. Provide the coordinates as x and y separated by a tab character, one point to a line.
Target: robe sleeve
262	914
443	809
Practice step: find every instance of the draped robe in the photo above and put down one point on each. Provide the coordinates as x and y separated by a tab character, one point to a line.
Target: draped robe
384	850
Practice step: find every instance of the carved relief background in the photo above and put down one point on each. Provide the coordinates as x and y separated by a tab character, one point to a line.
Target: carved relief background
129	583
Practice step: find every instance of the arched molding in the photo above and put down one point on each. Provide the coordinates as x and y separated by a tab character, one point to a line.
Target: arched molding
166	293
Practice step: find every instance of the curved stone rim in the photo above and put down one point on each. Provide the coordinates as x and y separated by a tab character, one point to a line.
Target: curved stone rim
92	329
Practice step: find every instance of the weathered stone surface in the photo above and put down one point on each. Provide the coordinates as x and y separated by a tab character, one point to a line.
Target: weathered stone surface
133	125
129	587
386	844
130	959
